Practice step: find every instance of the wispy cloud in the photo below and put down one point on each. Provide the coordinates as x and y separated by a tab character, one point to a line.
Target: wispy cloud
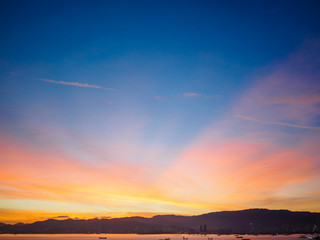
77	84
158	97
186	95
191	94
289	92
275	123
297	100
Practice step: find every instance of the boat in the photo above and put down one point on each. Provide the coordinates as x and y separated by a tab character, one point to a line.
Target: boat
102	237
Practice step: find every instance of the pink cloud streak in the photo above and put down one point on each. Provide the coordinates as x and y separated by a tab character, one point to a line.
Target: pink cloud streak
289	92
192	94
275	123
297	100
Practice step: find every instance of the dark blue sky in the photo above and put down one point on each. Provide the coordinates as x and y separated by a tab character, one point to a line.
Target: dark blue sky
241	32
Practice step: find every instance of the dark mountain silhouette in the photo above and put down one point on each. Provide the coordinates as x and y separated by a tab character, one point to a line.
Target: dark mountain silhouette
251	221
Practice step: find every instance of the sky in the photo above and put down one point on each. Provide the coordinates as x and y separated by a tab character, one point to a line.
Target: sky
138	108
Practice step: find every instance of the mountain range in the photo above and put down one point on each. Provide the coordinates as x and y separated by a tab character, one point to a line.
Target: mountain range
251	221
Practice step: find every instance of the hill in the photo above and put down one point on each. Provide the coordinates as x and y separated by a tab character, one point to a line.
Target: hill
251	221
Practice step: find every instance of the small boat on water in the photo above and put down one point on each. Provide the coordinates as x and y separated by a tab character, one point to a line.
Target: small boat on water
239	237
102	237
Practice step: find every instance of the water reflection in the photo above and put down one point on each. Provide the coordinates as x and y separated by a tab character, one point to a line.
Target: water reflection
140	237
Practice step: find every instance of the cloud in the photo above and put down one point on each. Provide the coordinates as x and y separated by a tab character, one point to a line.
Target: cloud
288	92
187	95
192	94
77	84
275	123
297	100
240	171
158	97
54	178
253	165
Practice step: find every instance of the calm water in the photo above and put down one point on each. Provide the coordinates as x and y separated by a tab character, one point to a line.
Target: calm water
138	237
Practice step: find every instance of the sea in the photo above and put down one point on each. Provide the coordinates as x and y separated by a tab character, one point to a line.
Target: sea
145	237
